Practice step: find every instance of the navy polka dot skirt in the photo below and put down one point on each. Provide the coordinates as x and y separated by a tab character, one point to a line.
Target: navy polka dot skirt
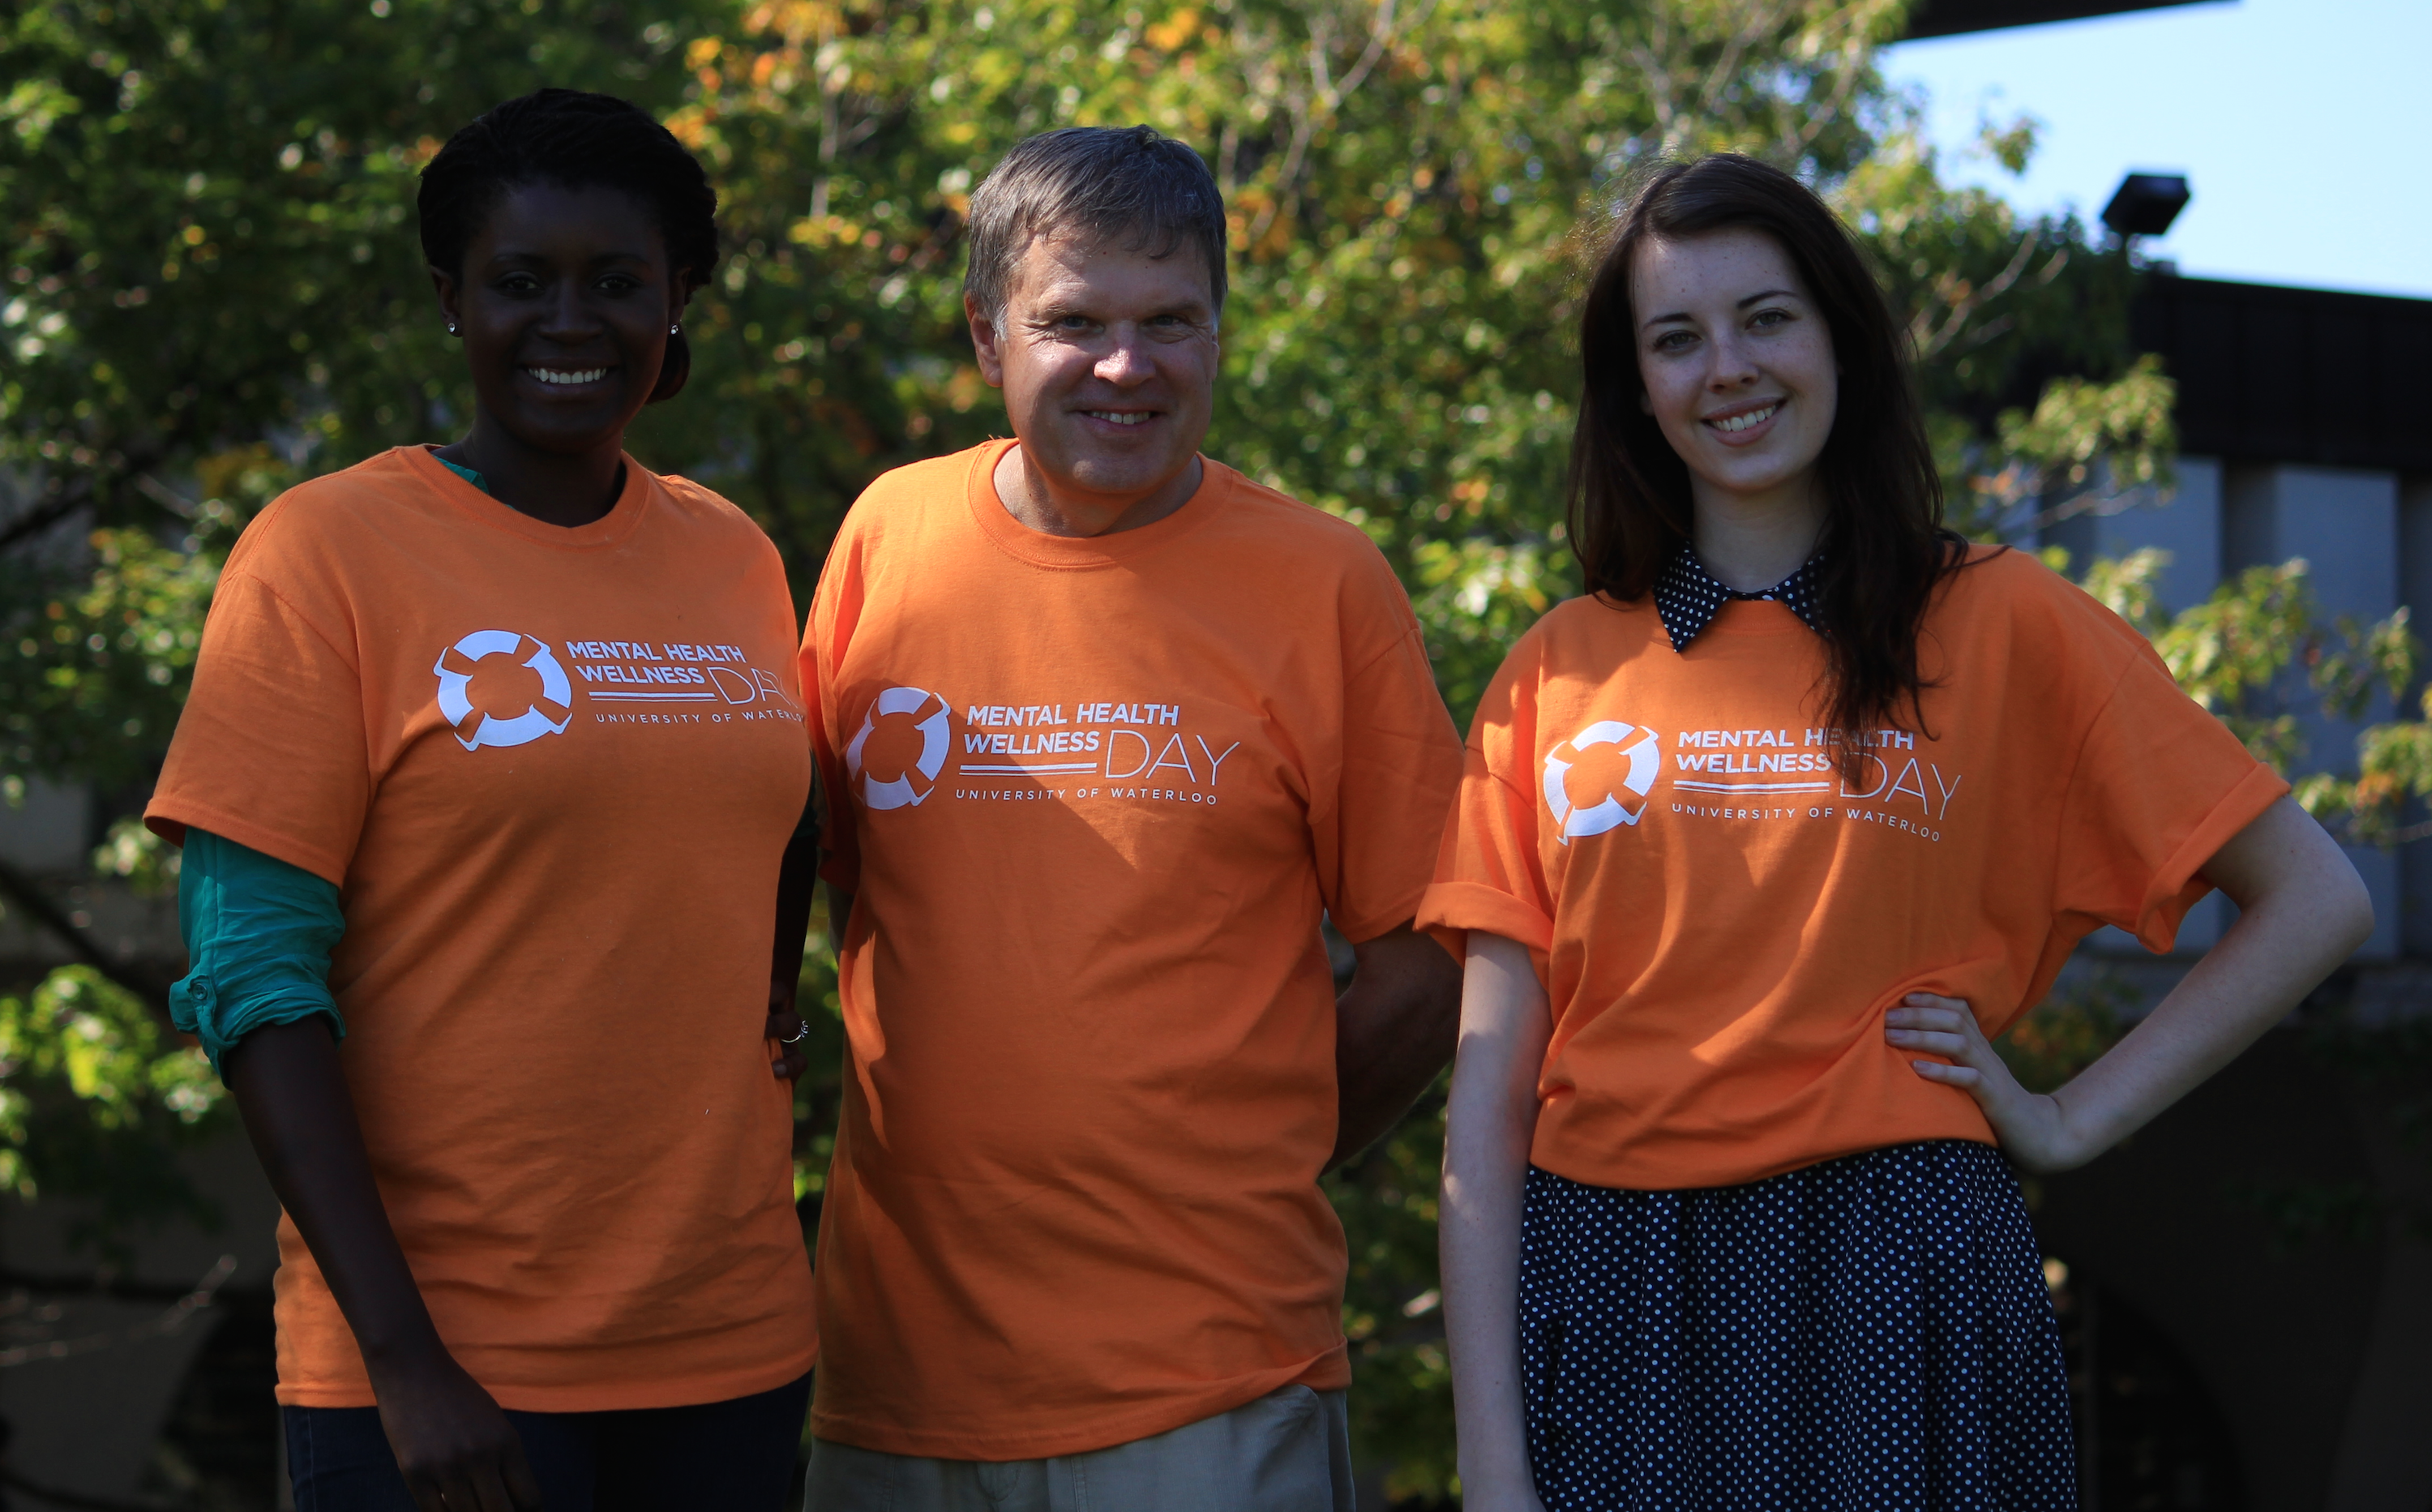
1867	1334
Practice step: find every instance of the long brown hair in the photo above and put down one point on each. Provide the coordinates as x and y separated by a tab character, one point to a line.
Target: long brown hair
1883	545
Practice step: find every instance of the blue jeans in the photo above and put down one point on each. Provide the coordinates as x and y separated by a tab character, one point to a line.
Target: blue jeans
720	1457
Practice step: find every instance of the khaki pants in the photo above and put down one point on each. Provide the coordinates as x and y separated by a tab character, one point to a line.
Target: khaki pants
1287	1452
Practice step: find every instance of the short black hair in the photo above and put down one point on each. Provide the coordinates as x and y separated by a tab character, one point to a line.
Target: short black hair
1102	181
576	140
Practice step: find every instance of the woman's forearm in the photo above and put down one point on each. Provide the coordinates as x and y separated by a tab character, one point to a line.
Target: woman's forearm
1489	1122
301	1118
2303	911
453	1444
1485	1166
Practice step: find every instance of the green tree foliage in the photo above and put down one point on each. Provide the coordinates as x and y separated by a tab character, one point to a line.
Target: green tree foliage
1409	187
98	671
2259	649
208	229
211	288
96	1100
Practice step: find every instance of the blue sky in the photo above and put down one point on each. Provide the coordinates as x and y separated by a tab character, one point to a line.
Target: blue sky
2301	126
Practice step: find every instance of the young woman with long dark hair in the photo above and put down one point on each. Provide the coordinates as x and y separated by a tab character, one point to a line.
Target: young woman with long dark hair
1760	841
491	768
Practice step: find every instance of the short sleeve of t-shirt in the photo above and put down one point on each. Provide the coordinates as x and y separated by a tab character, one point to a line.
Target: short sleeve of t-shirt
834	610
270	750
2160	785
1488	873
1373	847
554	770
1726	897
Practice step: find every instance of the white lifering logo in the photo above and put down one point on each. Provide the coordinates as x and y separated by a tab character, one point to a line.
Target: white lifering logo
546	715
1609	812
935	725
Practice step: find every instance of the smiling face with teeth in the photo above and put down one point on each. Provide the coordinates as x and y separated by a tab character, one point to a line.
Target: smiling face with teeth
1107	357
563	303
1738	371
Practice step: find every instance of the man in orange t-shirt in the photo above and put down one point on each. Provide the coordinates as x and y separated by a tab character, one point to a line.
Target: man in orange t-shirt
1105	727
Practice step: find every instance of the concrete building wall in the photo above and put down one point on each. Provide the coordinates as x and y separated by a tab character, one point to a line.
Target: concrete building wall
2187	524
89	1422
2366	536
47	831
2415	591
2344	524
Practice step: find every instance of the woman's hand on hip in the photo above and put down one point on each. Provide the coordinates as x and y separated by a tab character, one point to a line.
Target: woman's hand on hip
455	1447
2032	1128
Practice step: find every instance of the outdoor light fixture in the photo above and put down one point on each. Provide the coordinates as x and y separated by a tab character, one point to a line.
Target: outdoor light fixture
2146	204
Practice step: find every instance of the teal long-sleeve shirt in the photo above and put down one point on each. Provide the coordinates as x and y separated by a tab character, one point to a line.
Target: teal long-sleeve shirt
259	934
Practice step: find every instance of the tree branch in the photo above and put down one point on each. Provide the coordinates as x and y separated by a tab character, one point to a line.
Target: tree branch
1327	98
78	1501
190	1301
27	894
1930	342
44	516
126	463
106	1284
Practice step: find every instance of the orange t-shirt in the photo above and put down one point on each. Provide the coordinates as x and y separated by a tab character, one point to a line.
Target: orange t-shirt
1721	921
552	771
1092	795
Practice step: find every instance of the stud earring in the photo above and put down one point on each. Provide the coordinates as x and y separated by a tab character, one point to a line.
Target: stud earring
451	328
676	330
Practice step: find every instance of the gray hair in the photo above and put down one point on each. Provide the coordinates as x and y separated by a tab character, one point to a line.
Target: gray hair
1102	181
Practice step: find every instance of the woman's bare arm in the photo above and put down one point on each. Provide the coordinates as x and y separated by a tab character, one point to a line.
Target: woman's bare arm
2303	911
797	875
1505	1024
452	1442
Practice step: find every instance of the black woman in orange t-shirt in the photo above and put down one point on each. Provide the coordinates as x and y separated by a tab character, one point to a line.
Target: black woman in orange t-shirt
493	770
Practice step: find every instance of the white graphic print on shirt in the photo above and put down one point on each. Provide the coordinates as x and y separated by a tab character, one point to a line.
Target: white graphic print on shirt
1601	778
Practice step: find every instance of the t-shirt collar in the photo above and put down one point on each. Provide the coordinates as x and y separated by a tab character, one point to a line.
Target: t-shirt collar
1687	596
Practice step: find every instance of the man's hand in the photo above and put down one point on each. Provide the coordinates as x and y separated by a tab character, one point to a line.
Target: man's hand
2033	1129
455	1448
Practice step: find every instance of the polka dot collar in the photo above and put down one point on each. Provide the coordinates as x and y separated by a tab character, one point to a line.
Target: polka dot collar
1688	597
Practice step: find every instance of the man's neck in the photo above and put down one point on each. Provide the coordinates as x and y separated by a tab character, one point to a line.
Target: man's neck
1029	497
557	488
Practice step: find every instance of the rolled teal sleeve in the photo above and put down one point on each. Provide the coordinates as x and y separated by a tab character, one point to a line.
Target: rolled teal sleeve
258	933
